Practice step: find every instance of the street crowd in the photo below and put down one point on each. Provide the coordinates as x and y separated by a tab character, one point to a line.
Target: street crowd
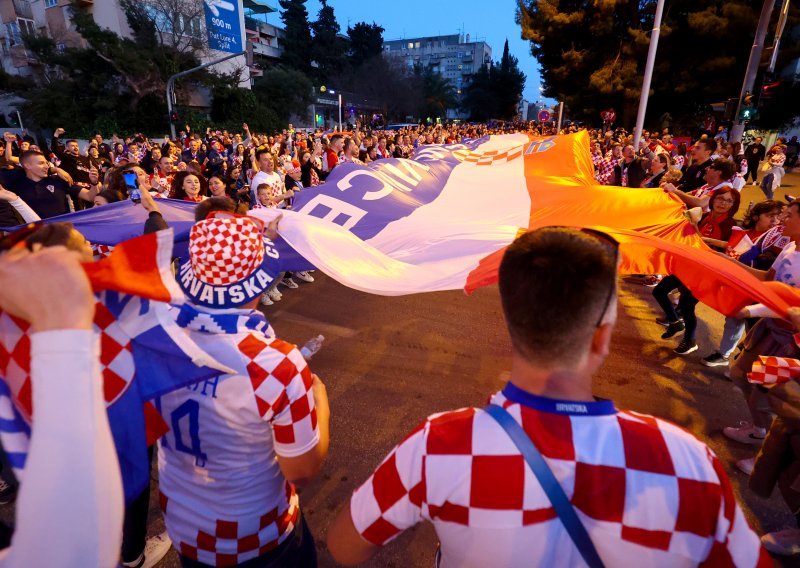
544	474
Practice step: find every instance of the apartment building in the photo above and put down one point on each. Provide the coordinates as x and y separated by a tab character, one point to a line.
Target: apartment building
453	56
54	18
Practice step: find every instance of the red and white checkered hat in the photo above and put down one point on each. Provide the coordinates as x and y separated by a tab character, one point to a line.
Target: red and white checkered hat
227	264
224	251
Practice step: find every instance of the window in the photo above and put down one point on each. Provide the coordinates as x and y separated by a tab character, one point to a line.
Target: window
416	45
15	31
411	45
50	3
190	26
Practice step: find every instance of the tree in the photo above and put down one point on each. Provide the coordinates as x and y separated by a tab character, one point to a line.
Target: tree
297	41
495	90
233	106
176	23
284	92
438	95
328	49
509	82
592	54
366	42
478	99
113	83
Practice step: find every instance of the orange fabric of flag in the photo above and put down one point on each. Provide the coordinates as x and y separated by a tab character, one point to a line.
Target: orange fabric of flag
654	234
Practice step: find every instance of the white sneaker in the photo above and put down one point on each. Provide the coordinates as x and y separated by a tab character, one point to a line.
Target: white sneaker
785	542
304	276
746	466
745	433
155	549
289	283
274	295
265	300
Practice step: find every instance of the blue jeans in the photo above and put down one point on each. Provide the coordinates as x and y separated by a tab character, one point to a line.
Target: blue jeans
732	334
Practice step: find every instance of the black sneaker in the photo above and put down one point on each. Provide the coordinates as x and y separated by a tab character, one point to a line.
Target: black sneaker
685	347
714	360
665	322
672	329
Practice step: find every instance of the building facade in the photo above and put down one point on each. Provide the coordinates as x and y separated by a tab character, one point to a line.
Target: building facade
453	56
54	19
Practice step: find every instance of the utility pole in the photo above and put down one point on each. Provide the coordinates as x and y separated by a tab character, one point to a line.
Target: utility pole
648	74
778	33
171	85
752	67
560	115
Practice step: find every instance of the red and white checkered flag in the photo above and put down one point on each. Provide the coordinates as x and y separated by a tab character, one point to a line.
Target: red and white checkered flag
770	371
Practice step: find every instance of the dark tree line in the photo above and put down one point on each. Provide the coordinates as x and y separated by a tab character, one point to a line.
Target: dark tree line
592	54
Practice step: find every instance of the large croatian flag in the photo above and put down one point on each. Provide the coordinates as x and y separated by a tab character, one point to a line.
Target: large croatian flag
403	226
441	220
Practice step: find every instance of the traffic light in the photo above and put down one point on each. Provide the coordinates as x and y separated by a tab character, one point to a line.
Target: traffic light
173	116
748	109
748	113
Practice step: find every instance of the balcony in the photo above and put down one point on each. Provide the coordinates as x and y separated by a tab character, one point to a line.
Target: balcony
264	50
23	9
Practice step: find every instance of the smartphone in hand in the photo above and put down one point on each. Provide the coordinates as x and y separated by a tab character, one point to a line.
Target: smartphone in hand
133	186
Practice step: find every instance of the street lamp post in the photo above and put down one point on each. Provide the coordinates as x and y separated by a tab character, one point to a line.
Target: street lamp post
648	74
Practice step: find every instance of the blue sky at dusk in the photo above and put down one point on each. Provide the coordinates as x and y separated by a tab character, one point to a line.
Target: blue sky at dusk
492	22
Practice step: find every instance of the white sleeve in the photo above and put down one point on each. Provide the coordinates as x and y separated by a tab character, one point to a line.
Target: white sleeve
70	506
761	311
28	215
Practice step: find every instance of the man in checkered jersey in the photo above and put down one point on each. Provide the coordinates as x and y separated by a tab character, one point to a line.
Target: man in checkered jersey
647	492
238	444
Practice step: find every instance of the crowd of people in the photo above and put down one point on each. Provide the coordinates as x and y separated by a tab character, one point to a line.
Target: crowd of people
608	486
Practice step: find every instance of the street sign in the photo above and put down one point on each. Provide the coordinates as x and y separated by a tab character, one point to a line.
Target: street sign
543	116
223	25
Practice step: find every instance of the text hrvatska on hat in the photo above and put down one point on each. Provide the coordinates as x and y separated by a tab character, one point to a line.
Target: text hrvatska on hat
231	261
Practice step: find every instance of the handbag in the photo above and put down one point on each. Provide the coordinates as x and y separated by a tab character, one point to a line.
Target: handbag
550	485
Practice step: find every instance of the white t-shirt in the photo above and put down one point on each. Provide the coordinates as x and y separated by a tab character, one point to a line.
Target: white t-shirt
272	179
787	266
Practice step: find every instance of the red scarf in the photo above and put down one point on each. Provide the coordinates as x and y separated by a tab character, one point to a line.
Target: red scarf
710	227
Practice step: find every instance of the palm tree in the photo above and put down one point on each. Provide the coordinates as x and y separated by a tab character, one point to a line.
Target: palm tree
438	95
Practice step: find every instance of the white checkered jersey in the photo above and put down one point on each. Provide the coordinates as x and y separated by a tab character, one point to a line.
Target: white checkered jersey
648	492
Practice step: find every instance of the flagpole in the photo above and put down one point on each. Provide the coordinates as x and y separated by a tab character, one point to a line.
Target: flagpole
648	74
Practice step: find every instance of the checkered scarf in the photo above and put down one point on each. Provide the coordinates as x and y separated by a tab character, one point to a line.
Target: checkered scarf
234	321
770	371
